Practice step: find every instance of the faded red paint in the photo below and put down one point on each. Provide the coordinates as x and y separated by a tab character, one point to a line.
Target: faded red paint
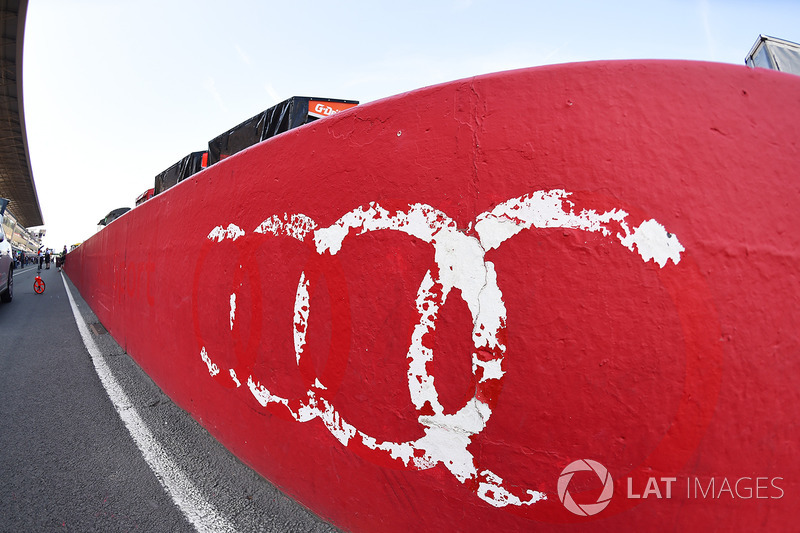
687	371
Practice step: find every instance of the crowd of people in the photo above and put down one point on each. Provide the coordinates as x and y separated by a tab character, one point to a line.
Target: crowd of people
43	258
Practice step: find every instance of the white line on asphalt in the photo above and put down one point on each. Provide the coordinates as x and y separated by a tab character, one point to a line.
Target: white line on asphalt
200	513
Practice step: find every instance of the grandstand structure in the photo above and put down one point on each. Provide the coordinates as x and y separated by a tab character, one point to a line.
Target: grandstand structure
16	177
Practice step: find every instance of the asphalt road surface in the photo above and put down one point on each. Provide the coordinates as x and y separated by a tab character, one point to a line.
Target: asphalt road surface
77	454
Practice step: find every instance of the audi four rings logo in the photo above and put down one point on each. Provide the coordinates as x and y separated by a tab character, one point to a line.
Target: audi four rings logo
460	264
586	509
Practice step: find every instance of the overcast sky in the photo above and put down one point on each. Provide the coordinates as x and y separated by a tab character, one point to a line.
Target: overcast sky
117	91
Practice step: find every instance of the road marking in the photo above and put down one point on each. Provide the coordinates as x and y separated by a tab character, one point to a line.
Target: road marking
198	511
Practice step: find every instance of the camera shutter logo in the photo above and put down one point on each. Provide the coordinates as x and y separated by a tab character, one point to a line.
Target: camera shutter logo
586	509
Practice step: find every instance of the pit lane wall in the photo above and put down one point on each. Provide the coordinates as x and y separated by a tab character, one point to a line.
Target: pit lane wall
534	299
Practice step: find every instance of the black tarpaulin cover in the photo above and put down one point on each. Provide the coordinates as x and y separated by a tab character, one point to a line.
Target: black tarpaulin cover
186	167
295	111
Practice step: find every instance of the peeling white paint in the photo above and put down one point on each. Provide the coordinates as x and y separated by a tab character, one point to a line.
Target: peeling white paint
300	322
233	310
541	209
491	490
234	378
654	242
232	232
264	396
337	426
403	451
213	369
420	383
491	369
546	209
297	226
421	221
460	264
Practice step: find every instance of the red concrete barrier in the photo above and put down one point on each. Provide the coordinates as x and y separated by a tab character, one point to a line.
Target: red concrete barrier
555	296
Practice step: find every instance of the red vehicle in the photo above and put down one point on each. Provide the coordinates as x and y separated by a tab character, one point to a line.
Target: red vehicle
146	195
